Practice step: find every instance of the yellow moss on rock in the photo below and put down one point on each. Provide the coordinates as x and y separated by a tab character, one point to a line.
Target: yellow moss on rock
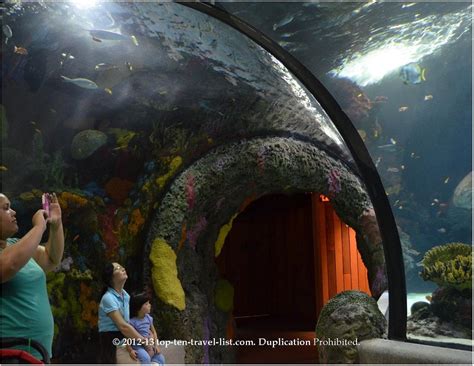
224	295
165	274
173	167
222	235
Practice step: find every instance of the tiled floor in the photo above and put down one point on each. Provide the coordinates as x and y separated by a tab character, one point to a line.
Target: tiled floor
273	329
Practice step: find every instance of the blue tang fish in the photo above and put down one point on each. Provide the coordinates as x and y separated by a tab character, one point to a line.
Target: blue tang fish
412	73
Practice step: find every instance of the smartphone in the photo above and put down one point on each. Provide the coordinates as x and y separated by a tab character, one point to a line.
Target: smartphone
46	199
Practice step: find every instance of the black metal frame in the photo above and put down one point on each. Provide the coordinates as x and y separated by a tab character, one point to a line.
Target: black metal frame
368	171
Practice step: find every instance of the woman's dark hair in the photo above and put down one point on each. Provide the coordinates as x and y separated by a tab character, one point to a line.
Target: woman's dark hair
107	275
136	303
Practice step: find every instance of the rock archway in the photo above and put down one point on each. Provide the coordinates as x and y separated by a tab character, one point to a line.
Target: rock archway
195	215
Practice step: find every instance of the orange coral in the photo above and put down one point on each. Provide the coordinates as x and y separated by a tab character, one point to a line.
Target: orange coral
89	307
118	189
136	222
71	200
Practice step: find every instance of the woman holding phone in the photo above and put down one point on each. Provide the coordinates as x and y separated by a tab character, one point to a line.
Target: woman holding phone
25	311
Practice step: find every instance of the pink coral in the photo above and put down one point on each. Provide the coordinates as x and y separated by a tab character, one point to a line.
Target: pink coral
108	233
190	191
196	230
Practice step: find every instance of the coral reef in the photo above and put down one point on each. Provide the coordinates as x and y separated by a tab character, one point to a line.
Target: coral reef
86	142
450	310
449	265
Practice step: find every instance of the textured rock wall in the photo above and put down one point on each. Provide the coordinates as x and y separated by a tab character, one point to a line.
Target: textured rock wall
197	212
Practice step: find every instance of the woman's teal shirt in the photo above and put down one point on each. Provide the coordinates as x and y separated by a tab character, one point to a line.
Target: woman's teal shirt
25	311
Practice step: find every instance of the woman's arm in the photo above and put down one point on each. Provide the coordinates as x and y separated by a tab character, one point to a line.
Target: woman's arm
155	338
49	256
126	329
14	257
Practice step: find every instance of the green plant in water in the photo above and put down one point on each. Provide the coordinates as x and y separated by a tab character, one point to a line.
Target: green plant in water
449	265
54	171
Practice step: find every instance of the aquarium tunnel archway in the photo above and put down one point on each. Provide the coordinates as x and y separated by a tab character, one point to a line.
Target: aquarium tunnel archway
186	116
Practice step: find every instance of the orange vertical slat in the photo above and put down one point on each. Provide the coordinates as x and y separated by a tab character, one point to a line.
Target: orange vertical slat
354	259
346	256
338	252
318	284
323	251
330	250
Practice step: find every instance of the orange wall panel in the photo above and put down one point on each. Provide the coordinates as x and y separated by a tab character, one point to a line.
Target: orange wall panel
340	265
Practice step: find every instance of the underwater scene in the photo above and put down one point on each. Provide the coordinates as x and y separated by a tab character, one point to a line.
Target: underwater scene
158	126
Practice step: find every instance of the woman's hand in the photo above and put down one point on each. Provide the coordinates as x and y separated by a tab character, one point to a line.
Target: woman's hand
54	211
39	219
132	353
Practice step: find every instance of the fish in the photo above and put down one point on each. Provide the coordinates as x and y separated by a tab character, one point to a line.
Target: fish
381	99
99	35
287	35
104	35
134	40
107	90
403	109
412	73
446	180
377	162
81	82
387	147
393	141
105	66
395	189
441	230
68	56
3	168
129	66
7	31
428	97
20	51
393	170
287	20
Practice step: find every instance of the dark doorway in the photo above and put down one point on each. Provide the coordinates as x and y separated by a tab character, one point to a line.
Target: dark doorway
268	257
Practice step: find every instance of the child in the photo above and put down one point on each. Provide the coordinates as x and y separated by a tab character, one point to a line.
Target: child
141	320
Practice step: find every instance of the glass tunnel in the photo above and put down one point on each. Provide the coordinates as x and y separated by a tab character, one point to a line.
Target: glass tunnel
251	165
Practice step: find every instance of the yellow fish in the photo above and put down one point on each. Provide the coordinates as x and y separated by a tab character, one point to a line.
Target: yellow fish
107	90
3	168
134	40
20	51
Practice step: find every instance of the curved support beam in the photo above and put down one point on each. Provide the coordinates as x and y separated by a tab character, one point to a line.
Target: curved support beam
386	221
